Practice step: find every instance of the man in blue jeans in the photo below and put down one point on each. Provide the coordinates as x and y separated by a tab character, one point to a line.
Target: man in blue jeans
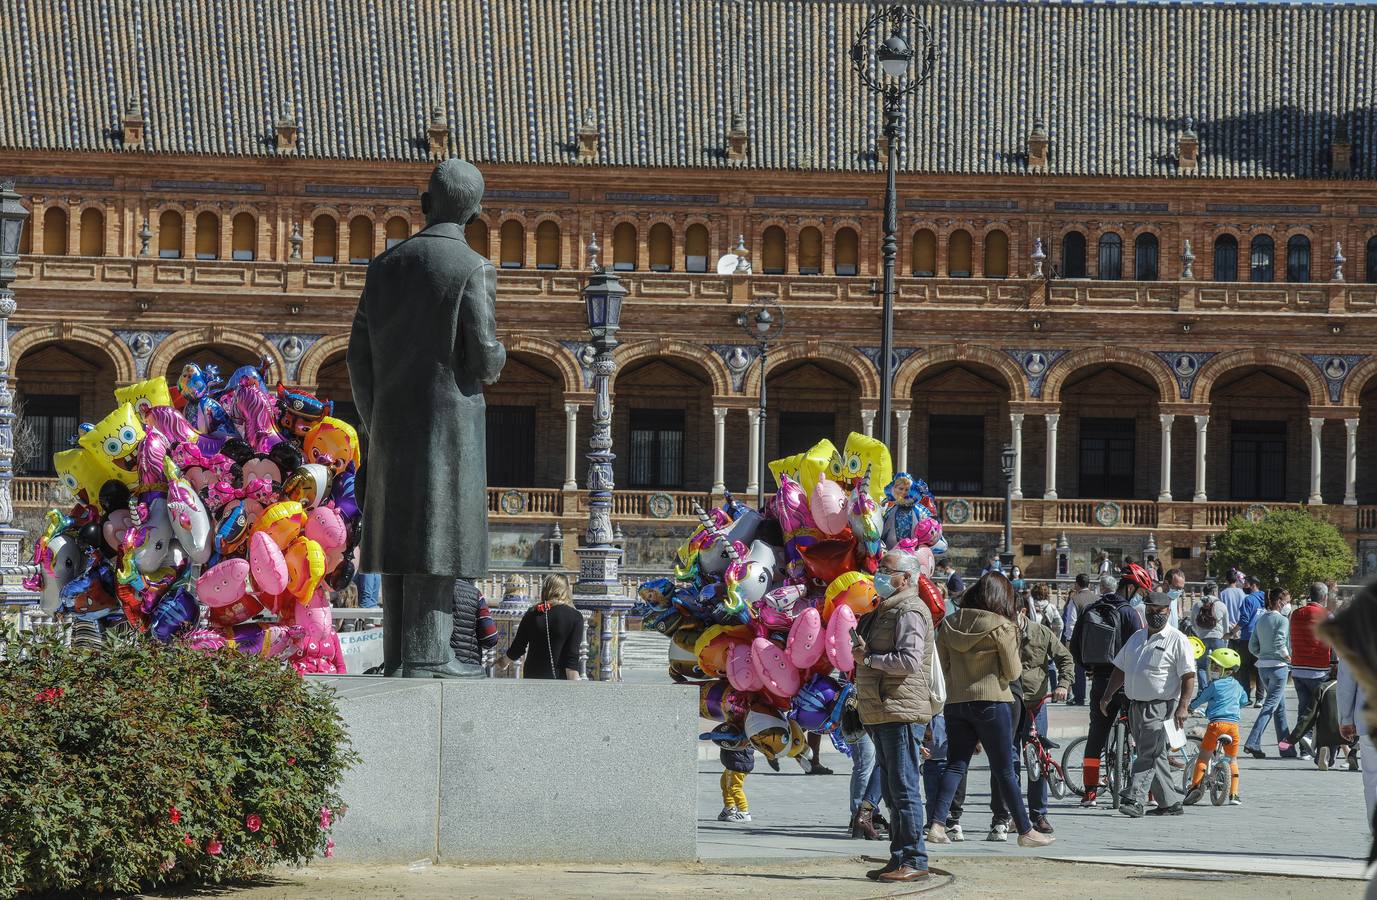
894	649
370	586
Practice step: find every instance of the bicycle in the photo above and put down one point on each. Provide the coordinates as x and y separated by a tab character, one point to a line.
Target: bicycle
1038	761
1116	764
1218	775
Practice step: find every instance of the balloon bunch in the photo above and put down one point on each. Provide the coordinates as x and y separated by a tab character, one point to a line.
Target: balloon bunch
214	513
762	604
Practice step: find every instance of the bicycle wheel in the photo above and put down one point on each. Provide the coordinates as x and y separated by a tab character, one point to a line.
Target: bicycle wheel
1188	754
1032	762
1219	781
1056	780
1113	763
1073	766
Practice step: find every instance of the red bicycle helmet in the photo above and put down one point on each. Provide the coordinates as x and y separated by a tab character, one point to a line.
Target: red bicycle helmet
1136	575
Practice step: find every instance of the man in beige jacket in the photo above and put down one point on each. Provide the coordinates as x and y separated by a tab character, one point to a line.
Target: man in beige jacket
894	651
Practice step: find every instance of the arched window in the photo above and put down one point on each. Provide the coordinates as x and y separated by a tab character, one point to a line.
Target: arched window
324	239
513	244
243	237
1260	256
207	235
924	253
696	249
1073	255
996	255
170	235
547	245
1372	260
476	233
624	248
772	256
360	240
92	232
1298	258
1145	257
398	229
1111	257
1226	258
661	248
809	251
846	252
959	254
55	231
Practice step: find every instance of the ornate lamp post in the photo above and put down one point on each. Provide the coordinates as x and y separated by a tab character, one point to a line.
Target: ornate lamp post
763	322
909	39
598	589
1006	462
12	216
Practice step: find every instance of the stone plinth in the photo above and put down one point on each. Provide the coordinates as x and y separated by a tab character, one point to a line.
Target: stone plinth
515	770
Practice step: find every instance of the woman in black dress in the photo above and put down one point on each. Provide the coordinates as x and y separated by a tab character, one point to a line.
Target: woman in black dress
552	632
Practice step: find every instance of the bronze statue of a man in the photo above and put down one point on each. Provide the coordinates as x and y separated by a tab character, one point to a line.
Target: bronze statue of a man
423	345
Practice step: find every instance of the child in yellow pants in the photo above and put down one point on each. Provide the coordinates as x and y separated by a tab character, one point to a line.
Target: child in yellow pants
1223	700
736	765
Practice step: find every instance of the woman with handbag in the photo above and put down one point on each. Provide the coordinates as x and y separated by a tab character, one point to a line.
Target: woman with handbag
552	633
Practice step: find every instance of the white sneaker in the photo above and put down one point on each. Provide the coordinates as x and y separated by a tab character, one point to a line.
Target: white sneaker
999	832
726	814
954	833
937	834
1234	801
804	763
739	816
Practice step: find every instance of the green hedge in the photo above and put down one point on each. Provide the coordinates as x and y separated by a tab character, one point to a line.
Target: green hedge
139	765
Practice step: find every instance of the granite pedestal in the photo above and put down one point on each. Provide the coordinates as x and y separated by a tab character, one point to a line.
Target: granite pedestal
514	770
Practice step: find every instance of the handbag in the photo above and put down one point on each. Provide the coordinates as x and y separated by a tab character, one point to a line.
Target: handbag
938	687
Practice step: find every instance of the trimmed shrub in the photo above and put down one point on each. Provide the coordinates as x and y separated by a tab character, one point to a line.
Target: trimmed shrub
141	765
1286	548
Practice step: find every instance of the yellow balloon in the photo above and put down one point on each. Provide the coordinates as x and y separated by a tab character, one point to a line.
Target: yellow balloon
145	394
867	453
79	471
114	443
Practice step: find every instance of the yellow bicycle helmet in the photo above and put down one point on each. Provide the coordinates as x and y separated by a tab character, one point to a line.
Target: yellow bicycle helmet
1226	660
1197	647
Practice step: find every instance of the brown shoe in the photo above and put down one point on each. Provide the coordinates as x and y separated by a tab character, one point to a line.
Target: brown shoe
904	873
862	825
874	874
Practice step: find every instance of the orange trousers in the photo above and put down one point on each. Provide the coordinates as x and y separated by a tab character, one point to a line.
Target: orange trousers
1207	745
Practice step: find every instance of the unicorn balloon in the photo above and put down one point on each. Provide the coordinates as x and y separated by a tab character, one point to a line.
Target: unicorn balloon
867	524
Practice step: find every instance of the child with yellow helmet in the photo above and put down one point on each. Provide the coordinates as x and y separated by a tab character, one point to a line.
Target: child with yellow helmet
1223	699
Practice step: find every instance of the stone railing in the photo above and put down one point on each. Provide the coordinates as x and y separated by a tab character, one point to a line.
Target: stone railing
305	278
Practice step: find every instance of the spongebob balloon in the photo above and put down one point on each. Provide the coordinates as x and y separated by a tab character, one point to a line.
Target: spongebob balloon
145	395
81	473
862	455
807	468
114	442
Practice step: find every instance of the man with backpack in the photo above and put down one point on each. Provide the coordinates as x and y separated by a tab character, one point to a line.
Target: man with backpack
1101	631
1210	622
1083	597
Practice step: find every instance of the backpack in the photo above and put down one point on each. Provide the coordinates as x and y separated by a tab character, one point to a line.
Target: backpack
1100	634
1205	619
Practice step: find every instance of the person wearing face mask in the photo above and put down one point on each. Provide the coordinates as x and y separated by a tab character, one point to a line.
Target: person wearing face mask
893	646
1174	583
1156	669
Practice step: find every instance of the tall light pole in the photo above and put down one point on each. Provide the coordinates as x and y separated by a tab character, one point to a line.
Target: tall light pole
897	79
763	322
598	590
1007	457
12	216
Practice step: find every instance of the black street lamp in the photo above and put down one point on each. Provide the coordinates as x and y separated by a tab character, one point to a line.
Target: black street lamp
1007	457
908	39
763	322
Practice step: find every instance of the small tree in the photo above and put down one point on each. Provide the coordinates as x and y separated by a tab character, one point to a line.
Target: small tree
1287	548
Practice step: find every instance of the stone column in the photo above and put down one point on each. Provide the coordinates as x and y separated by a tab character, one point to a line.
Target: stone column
1016	423
1316	427
1202	424
902	417
1351	468
1052	420
571	446
719	449
753	465
1164	496
868	422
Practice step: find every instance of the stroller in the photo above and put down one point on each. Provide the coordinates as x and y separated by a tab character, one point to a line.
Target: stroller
1323	716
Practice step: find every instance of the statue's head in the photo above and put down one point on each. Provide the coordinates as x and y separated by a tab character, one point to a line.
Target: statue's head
455	193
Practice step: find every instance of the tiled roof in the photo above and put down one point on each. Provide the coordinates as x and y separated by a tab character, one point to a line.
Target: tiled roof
1266	85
